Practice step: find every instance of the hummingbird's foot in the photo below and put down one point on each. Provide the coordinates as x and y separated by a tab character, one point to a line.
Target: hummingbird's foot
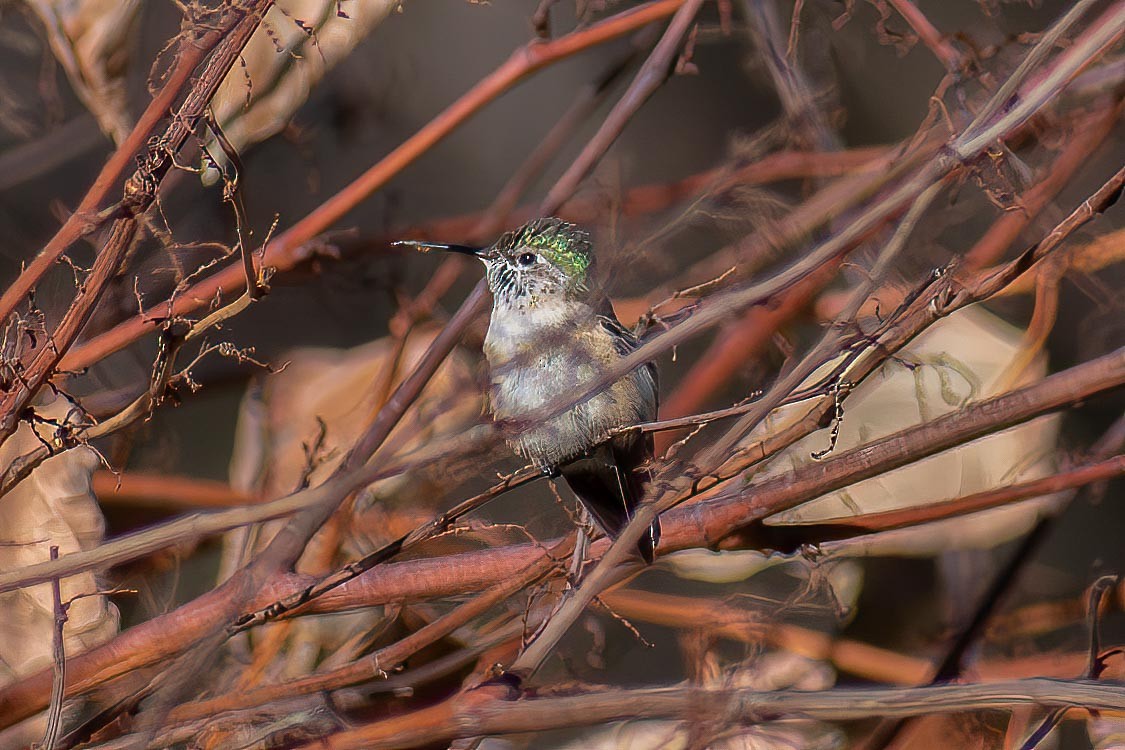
499	677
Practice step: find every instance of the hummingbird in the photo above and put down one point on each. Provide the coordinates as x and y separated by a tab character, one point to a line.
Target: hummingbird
552	333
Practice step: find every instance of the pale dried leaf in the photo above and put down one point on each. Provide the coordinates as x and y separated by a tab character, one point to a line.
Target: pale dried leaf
672	735
342	389
54	506
959	360
298	42
90	39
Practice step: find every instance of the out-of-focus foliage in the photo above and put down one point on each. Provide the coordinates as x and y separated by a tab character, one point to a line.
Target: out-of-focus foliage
964	358
54	506
297	43
297	431
772	671
91	41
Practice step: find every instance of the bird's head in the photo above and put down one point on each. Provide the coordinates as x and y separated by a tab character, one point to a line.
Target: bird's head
541	259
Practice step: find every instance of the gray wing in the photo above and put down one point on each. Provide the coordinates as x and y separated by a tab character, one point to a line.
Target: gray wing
627	343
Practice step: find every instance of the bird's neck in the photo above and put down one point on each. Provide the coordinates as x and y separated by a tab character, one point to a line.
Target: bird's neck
527	323
533	312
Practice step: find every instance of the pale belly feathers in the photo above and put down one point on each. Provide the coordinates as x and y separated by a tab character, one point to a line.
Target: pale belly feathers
537	356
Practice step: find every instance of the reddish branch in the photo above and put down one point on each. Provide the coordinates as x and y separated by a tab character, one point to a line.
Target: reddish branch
166	491
291	247
741	341
871	523
140	192
194	45
649	78
930	36
1089	134
490	711
704	524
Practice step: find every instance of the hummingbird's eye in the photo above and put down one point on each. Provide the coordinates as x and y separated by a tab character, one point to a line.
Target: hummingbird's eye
526	259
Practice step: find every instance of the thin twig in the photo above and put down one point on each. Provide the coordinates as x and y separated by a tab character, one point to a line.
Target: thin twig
383	554
291	246
648	79
191	52
140	192
488	713
58	660
1094	662
946	54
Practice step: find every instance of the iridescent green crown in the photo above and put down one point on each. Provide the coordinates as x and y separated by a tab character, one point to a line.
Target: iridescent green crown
564	244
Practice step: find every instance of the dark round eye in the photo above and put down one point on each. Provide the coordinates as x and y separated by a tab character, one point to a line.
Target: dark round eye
526	259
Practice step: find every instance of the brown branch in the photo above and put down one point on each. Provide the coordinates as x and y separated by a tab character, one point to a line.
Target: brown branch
1101	34
58	659
949	57
585	103
742	624
770	496
483	712
1090	133
387	552
869	523
646	199
291	247
1007	92
187	528
140	191
194	46
166	492
648	79
789	81
387	659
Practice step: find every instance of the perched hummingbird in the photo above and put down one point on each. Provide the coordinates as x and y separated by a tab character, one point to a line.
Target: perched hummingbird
551	334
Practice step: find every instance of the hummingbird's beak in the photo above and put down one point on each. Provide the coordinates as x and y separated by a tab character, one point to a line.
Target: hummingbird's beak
478	252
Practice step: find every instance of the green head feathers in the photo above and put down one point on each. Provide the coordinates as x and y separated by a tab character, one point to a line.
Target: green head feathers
561	243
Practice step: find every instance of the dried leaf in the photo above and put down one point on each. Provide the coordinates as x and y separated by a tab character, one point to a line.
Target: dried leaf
298	42
54	506
961	359
299	429
90	38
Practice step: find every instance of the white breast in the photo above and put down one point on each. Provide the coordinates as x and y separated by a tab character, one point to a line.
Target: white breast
544	353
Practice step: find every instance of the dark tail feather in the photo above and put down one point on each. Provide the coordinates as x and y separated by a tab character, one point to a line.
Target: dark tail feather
609	490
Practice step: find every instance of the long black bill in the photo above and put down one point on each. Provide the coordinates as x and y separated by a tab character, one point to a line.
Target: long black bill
479	252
